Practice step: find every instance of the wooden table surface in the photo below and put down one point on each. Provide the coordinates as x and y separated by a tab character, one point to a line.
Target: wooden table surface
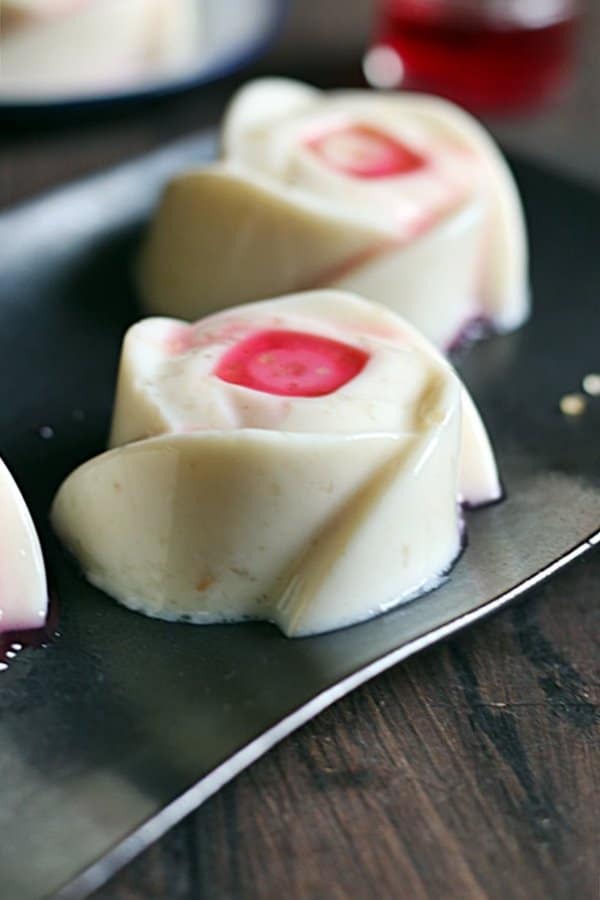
468	772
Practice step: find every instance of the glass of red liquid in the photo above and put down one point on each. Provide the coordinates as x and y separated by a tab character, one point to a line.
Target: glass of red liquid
487	55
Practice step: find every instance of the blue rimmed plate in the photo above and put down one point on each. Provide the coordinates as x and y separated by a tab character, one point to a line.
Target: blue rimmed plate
234	33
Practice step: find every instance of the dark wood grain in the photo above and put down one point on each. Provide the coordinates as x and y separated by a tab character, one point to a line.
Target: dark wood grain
471	771
468	772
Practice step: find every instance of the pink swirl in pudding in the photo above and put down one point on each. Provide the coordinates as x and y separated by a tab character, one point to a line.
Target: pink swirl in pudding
362	151
291	363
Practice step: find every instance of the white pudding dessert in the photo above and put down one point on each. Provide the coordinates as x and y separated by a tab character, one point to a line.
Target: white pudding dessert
23	588
404	199
58	48
300	460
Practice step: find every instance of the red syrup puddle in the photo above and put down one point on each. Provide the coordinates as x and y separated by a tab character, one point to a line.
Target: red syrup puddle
13	642
474	330
291	363
362	151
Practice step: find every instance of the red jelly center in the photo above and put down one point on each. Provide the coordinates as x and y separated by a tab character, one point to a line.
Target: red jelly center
291	363
364	152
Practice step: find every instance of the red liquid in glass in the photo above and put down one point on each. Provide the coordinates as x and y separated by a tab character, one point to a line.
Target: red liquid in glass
478	59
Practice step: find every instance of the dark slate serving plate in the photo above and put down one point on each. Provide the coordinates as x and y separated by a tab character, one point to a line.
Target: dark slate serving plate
122	724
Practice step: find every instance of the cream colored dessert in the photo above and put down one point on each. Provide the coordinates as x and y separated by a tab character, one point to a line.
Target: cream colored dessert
62	47
299	460
404	199
23	589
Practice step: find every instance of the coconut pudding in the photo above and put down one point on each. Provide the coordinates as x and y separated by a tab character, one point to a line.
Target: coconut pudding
404	199
57	48
300	460
23	589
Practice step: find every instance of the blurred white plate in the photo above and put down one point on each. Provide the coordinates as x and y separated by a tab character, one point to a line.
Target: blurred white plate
232	34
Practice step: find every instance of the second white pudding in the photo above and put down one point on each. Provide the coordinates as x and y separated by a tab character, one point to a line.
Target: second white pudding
299	460
402	198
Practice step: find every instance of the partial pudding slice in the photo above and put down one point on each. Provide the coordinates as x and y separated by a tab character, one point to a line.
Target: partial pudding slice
300	460
23	588
402	198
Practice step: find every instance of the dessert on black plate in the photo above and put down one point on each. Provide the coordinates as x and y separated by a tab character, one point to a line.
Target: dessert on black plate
404	199
23	589
300	460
